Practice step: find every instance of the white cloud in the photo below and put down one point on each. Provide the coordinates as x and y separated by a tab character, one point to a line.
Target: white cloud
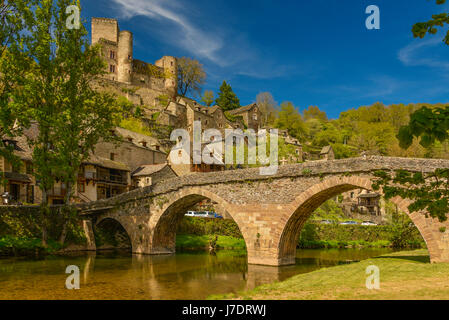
412	54
189	36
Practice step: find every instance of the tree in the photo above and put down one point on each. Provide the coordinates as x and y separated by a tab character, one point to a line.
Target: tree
429	125
290	119
191	76
227	99
12	116
208	98
421	29
267	106
56	67
313	112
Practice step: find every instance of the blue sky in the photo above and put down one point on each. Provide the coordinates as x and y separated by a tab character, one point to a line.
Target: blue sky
308	52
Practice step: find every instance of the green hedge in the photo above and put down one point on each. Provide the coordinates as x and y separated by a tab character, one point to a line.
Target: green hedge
316	235
207	226
313	235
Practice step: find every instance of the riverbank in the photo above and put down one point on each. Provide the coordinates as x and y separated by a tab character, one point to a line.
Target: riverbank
194	242
403	275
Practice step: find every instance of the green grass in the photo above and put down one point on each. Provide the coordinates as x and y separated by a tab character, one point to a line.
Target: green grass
26	246
403	275
187	241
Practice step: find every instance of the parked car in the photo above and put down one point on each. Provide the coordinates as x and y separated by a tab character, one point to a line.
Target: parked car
190	214
349	223
326	222
203	214
368	223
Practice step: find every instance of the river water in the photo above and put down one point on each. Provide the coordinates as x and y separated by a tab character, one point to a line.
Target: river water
185	275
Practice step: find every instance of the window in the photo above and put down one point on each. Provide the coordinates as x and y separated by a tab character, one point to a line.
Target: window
29	168
180	153
255	117
112	54
81	187
158	148
112	68
112	156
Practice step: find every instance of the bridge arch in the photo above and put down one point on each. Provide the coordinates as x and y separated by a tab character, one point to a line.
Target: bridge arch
168	217
109	221
308	201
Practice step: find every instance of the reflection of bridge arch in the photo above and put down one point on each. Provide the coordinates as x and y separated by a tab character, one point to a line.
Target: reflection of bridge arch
308	201
167	218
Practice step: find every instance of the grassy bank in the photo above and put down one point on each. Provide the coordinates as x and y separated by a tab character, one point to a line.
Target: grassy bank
313	235
403	275
188	241
13	246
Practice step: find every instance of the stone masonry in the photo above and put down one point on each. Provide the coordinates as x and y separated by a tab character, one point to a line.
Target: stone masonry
269	210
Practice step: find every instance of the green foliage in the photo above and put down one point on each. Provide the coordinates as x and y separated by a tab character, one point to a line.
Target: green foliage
313	112
337	236
184	241
208	98
227	99
135	125
420	29
290	119
191	76
430	125
164	100
205	226
427	191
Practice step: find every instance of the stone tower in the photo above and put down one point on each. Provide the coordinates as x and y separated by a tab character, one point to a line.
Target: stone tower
104	28
125	56
170	66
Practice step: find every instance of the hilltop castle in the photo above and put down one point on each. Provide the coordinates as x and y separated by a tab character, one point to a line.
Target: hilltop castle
150	81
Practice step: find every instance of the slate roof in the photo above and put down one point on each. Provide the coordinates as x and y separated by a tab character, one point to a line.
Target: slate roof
148	169
243	109
326	149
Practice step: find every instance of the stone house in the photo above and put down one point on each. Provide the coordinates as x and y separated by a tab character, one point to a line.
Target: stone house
19	181
327	153
289	140
134	150
251	116
101	178
147	175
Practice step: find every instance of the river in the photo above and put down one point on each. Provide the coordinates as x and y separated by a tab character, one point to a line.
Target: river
185	275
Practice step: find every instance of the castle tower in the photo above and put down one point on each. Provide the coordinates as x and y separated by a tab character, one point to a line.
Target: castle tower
170	66
125	56
104	28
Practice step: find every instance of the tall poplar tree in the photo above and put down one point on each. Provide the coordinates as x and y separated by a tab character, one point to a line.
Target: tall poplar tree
59	67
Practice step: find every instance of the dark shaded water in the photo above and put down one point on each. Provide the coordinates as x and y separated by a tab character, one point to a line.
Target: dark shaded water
185	275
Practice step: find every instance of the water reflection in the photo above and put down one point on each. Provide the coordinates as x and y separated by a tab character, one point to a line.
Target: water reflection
185	275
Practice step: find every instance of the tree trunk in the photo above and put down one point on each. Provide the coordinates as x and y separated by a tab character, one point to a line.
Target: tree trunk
44	211
66	214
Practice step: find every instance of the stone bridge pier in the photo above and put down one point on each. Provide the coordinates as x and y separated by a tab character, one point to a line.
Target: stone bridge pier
270	211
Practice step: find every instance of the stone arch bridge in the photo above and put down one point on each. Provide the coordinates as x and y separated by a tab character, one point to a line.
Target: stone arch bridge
269	210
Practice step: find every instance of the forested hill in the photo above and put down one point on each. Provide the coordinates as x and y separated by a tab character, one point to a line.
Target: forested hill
370	128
